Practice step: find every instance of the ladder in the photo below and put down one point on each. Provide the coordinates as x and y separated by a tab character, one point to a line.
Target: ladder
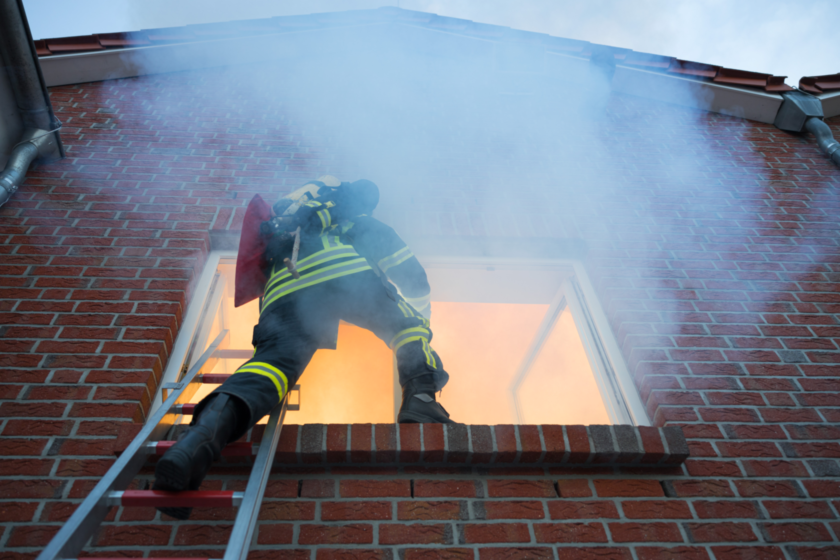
111	490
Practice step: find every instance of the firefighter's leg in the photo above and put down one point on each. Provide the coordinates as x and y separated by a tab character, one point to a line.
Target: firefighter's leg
230	411
369	304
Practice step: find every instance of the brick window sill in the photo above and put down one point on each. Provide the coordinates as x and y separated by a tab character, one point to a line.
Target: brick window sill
407	444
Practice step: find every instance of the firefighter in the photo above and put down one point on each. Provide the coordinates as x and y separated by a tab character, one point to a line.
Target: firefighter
344	259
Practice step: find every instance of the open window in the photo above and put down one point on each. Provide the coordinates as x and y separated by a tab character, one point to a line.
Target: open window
524	343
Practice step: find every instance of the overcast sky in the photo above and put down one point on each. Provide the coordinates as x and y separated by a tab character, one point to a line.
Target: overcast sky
791	38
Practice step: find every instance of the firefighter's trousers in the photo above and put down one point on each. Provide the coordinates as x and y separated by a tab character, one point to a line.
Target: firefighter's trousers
292	329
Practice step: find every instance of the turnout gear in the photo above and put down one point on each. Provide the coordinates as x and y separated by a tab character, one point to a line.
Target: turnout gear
419	405
345	260
223	419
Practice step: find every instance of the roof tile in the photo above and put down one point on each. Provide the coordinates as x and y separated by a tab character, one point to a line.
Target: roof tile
133	39
820	84
606	54
80	43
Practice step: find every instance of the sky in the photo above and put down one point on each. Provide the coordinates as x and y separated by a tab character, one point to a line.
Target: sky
780	37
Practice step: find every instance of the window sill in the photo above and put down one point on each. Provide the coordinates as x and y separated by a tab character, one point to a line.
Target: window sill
404	444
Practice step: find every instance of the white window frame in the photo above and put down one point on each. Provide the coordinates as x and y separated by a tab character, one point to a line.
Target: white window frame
618	391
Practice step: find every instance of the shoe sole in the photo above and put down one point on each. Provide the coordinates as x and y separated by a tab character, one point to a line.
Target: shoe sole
411	418
171	476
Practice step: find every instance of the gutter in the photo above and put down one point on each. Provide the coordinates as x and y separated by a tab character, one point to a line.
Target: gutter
40	140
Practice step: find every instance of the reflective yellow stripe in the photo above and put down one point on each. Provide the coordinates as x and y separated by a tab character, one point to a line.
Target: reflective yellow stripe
325	219
267	370
393	260
317	277
398	340
314	259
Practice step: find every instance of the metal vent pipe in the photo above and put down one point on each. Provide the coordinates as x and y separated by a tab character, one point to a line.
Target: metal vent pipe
801	111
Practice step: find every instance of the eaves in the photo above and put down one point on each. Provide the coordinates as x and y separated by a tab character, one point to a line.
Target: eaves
744	102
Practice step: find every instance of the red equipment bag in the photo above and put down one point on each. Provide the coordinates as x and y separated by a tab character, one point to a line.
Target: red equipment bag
250	261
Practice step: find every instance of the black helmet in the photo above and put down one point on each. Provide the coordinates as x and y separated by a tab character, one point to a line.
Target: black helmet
361	196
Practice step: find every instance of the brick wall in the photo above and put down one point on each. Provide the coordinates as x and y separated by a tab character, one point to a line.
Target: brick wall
713	246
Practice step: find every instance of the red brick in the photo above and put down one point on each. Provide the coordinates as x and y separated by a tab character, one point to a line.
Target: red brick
721	532
801	531
360	443
513	510
275	533
792	509
579	446
272	510
385	436
748	553
513	488
725	509
409	450
416	533
671	553
608	488
437	510
344	554
569	532
375	488
574	488
317	488
495	533
445	489
656	509
355	511
352	533
822	488
505	443
337	443
767	488
645	532
572	509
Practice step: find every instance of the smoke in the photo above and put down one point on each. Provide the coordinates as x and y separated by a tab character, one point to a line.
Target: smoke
466	136
773	36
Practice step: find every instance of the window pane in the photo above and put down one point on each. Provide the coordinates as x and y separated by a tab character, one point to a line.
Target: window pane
560	387
482	345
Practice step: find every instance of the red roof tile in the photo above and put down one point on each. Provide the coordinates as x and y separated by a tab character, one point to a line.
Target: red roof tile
41	48
244	28
820	84
81	43
123	39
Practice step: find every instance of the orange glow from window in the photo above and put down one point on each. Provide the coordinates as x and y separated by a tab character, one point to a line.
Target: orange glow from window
481	345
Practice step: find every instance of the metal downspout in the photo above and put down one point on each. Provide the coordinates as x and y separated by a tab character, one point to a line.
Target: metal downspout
801	111
40	139
825	139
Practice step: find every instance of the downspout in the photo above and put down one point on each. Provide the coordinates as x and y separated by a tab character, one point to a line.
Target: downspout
825	138
801	111
40	139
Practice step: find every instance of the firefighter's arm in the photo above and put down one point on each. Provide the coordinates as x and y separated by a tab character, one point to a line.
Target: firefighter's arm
382	246
408	274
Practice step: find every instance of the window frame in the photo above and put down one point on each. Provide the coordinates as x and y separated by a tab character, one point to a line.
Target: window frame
618	391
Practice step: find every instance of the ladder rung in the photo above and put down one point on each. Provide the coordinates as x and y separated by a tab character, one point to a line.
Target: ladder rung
211	377
186	408
236	449
188	498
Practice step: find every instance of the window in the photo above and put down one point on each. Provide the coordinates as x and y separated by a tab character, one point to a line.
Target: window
524	343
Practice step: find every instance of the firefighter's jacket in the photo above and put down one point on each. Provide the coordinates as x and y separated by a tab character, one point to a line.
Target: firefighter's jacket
331	250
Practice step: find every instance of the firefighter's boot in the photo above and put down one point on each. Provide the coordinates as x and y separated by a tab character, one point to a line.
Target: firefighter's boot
185	465
419	405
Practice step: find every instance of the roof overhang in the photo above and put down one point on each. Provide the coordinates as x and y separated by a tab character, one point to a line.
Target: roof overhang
74	68
830	103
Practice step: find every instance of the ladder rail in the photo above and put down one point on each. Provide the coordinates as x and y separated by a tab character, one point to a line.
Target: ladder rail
249	510
74	534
